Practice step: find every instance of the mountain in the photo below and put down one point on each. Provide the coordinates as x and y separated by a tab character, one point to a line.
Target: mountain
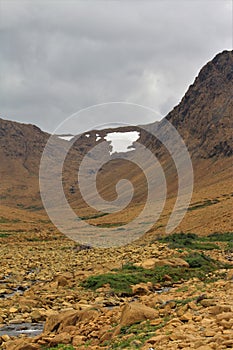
204	120
204	116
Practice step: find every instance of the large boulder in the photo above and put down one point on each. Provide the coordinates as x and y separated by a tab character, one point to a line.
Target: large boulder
61	338
22	344
61	322
136	312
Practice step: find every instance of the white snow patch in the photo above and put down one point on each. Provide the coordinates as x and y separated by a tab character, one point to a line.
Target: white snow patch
121	141
67	138
87	135
98	137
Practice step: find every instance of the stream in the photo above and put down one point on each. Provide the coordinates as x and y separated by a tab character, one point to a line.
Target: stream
30	329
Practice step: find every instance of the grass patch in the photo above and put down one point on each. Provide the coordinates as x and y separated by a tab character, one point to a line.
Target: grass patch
3	235
139	331
220	237
34	207
200	205
196	260
114	224
188	240
96	216
33	239
229	247
4	220
60	347
182	302
121	281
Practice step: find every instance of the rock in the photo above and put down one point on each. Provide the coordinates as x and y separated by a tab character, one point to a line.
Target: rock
55	321
218	309
87	315
208	302
13	310
135	343
209	333
36	316
156	322
106	336
60	322
62	281
78	340
140	289
61	338
230	275
186	317
5	337
225	316
148	264
136	312
21	344
167	278
157	339
152	263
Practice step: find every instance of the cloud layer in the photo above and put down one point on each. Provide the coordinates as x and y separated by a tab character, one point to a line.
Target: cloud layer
60	56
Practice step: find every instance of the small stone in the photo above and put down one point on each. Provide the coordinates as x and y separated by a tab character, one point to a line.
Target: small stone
207	302
13	310
218	309
78	340
209	333
5	337
186	317
36	316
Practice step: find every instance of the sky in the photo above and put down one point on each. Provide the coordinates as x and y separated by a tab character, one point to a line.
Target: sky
58	57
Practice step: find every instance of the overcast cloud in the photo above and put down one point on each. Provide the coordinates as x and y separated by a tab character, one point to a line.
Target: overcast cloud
60	56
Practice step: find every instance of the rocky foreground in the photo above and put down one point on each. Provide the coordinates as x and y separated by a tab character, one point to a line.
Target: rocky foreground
181	305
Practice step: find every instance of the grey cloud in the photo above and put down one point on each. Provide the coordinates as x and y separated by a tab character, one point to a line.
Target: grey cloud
60	56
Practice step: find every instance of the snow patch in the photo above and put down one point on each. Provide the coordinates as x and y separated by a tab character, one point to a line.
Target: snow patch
98	137
122	141
67	138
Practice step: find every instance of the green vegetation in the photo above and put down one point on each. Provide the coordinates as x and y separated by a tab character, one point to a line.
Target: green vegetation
114	224
206	203
138	333
92	216
121	280
34	207
196	260
4	220
183	302
3	235
188	240
134	336
220	237
59	346
229	247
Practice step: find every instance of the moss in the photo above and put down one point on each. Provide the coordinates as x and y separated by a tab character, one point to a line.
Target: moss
60	347
138	331
3	235
96	216
188	240
221	237
121	280
206	203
